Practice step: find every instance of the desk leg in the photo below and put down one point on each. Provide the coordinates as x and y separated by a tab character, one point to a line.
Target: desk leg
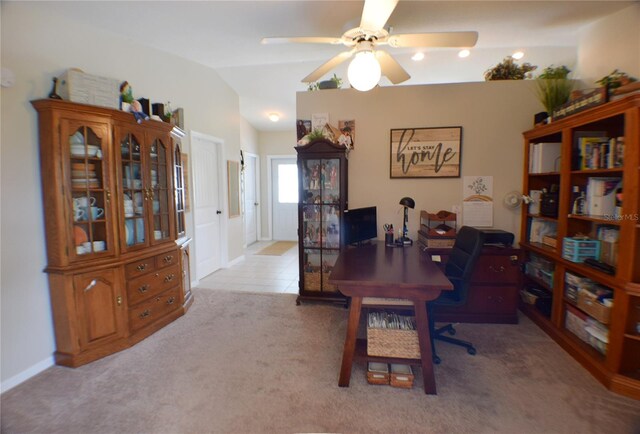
422	324
350	341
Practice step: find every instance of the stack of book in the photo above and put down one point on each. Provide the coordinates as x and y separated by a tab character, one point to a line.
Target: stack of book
599	151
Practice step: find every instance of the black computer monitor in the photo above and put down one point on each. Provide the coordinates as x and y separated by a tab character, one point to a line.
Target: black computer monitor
359	225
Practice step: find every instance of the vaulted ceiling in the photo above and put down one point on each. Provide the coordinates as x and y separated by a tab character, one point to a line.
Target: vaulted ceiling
225	35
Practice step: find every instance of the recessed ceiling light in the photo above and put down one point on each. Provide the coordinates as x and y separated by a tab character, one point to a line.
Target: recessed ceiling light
464	53
274	117
518	55
418	56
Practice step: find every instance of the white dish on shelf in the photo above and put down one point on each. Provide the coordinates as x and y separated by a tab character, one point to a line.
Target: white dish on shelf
79	150
76	139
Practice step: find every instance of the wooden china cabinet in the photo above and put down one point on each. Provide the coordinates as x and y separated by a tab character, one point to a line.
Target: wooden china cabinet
322	182
115	255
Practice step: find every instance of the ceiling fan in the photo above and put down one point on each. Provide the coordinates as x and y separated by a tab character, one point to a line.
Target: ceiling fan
370	63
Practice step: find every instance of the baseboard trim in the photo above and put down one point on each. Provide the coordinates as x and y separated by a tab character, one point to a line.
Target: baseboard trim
23	376
235	261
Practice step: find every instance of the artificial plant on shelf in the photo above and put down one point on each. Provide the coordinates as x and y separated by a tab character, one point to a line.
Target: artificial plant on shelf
508	69
615	80
553	87
334	82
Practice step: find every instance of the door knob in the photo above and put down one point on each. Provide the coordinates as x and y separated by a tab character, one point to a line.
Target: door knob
218	212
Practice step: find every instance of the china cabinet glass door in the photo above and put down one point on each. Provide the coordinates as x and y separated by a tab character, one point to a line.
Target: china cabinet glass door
180	192
86	146
159	193
321	221
134	192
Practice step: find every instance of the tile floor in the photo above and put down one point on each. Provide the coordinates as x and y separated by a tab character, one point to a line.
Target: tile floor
258	273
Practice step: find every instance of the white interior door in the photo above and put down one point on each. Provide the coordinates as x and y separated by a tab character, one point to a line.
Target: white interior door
284	187
250	199
206	160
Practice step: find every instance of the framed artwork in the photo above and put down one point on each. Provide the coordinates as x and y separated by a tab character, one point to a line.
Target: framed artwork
347	135
426	152
319	120
233	183
303	127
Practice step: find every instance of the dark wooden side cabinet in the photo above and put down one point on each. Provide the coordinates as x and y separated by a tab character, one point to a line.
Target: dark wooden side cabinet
493	294
114	223
322	173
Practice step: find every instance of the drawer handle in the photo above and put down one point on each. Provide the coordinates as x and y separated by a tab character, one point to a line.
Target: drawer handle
145	314
171	300
167	259
141	267
143	289
496	270
169	278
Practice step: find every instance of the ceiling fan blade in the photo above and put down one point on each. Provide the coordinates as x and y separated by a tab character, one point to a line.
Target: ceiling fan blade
375	13
302	40
327	66
391	68
444	39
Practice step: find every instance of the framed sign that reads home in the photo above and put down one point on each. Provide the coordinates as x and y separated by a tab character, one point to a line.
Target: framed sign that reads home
426	152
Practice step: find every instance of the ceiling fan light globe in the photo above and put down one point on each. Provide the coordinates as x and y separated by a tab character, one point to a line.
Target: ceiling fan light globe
364	71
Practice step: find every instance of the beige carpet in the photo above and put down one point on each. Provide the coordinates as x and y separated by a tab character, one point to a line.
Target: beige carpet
257	363
278	248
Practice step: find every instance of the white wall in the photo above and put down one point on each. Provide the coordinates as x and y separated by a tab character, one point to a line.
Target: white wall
37	47
610	43
493	116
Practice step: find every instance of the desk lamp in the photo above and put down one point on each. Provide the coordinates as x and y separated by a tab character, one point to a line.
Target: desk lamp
407	203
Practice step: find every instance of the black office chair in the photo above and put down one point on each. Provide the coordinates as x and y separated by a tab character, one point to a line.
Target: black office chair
462	260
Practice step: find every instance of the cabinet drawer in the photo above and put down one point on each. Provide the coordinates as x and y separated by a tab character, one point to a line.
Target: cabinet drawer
498	299
496	269
151	284
167	259
140	267
152	310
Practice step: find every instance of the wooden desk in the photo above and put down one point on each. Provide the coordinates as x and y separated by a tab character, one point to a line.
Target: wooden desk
378	271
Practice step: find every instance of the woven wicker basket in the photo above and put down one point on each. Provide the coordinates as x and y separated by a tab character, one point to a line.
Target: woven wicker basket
312	281
393	343
330	287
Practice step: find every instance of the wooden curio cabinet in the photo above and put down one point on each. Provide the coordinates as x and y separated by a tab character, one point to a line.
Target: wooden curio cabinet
109	205
591	309
322	183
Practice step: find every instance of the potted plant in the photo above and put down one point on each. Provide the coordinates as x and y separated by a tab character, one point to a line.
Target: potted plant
615	80
509	70
553	87
334	82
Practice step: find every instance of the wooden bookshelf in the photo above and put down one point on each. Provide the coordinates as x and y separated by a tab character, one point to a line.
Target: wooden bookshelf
619	367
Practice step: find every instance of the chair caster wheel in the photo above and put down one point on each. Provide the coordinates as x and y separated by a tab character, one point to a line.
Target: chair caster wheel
436	360
471	351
